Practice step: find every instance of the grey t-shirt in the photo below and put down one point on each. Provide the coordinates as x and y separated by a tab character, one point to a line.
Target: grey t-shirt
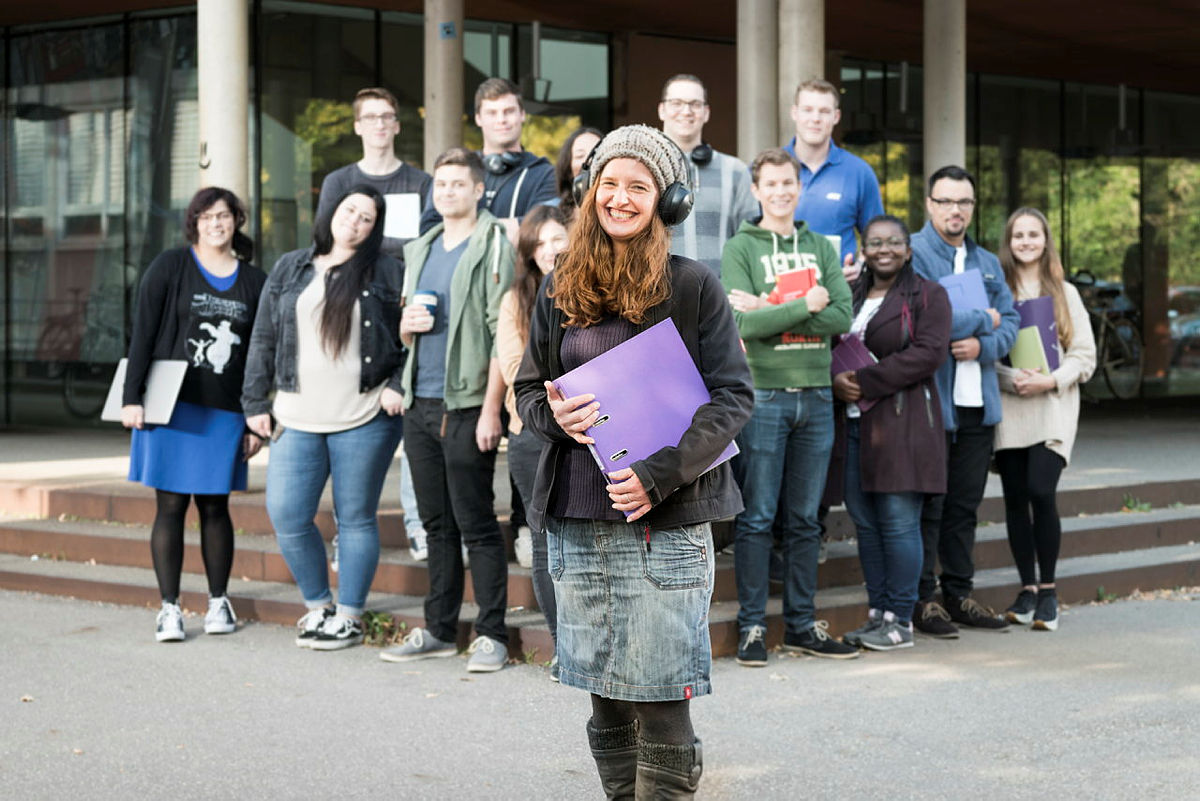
431	346
406	188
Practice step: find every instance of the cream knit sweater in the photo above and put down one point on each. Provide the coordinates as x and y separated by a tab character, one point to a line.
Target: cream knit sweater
1051	418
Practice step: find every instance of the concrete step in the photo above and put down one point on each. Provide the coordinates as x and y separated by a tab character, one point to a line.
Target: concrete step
266	601
257	556
1080	579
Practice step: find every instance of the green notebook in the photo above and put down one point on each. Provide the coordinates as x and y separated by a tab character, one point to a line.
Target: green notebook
1028	353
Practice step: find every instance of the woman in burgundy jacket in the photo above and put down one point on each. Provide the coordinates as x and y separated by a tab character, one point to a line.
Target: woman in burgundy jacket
890	434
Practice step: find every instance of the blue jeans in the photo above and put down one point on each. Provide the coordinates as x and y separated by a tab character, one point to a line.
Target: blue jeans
786	445
300	464
523	452
889	536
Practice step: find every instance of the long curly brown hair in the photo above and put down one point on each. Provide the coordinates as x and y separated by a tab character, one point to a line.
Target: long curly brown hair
591	282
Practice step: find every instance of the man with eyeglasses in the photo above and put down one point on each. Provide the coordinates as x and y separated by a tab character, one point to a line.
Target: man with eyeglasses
515	180
720	182
839	191
970	397
405	189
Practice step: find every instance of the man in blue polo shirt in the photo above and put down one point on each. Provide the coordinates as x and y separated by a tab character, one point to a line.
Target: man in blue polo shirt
839	191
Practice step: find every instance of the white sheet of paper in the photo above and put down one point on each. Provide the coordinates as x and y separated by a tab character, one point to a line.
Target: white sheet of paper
403	215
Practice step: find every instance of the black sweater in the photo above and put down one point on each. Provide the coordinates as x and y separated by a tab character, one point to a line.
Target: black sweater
179	315
680	490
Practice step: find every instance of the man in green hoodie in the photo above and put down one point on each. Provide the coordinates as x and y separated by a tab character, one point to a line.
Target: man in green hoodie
456	273
789	297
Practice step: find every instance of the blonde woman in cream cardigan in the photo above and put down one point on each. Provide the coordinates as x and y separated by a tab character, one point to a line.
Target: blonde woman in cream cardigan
1041	415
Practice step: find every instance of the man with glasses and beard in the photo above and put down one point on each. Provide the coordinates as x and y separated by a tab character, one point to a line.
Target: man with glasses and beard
970	397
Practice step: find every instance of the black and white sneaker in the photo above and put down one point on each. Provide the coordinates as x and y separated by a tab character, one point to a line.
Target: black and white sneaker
752	650
220	618
337	633
1021	610
1046	616
169	623
310	624
817	642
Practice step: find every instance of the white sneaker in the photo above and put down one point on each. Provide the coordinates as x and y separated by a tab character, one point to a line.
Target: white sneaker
220	618
170	624
310	624
418	547
524	547
466	557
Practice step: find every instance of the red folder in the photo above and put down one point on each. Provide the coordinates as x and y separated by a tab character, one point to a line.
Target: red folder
792	285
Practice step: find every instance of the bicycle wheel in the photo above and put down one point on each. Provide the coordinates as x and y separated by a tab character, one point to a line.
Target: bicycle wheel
85	388
1122	354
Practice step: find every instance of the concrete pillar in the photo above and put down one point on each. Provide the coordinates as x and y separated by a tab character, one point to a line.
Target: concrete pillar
945	71
443	77
801	54
757	76
223	61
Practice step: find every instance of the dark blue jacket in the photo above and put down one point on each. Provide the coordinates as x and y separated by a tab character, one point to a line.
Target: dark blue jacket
933	258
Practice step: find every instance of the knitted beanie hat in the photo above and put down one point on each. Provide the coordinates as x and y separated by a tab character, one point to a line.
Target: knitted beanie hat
648	145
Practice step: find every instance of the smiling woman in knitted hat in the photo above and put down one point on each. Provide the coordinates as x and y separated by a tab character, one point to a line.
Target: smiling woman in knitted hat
633	593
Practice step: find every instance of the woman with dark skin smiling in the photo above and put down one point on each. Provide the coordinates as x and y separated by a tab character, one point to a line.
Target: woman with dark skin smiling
633	592
894	449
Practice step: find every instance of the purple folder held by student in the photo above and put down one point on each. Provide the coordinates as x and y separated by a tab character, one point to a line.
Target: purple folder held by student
966	290
851	354
1039	313
648	389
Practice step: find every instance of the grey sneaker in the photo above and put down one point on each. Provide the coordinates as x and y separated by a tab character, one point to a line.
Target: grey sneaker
888	635
487	655
310	624
419	644
169	623
220	618
874	621
1021	610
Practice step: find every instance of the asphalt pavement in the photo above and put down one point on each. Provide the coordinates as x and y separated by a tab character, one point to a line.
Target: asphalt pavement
93	708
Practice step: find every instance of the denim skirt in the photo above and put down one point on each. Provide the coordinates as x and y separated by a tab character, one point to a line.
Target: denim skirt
632	620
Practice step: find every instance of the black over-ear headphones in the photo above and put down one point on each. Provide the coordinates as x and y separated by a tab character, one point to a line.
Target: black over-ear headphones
500	163
675	202
702	154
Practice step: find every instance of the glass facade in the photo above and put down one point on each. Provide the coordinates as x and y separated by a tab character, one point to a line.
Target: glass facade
99	148
1113	169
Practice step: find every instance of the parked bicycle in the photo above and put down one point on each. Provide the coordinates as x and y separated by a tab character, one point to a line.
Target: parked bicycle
1120	352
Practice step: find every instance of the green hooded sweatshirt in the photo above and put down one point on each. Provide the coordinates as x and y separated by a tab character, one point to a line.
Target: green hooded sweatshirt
786	346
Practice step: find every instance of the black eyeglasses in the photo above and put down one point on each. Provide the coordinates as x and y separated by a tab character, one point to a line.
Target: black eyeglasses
944	203
891	242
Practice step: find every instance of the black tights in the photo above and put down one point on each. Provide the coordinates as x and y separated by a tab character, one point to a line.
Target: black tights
668	722
216	541
1030	479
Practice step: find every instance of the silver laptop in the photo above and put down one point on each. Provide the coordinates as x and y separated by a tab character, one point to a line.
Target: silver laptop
162	389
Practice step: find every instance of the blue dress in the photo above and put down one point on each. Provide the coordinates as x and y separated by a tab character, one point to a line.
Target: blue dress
200	450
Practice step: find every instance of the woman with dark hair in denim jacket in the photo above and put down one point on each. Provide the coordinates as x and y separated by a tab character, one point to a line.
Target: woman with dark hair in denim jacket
327	341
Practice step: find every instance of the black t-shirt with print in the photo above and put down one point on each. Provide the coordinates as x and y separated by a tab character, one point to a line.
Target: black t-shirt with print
214	335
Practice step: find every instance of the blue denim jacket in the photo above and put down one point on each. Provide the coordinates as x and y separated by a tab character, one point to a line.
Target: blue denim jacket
933	257
271	361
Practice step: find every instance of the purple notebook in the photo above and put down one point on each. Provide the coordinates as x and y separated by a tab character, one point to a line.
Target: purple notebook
1039	313
966	290
648	389
849	355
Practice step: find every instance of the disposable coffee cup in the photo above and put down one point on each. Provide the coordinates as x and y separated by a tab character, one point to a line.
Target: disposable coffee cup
429	300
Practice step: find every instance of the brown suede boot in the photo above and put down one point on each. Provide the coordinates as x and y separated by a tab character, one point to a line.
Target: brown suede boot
668	772
616	753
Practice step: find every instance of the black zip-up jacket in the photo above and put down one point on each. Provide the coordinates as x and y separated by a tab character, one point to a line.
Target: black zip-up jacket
271	362
680	492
